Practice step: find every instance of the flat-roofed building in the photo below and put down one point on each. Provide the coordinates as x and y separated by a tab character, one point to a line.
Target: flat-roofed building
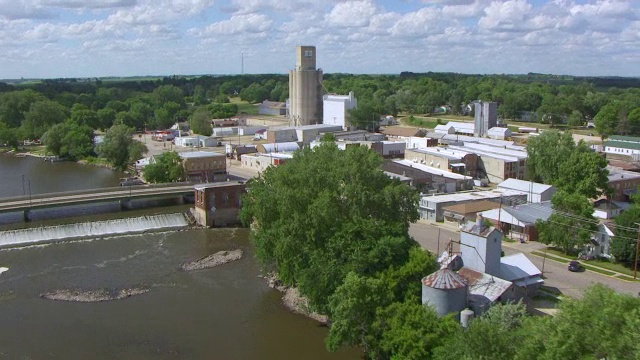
462	213
429	179
260	162
623	183
432	206
218	204
536	192
623	145
497	164
204	166
457	161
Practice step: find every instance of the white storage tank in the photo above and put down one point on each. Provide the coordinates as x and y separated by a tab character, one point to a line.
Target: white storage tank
466	316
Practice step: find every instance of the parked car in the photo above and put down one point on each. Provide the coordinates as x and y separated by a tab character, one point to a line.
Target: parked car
575	266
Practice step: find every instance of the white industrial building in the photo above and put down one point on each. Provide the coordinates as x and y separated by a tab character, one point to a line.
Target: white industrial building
453	182
278	147
249	130
536	192
623	145
195	141
454	127
224	131
260	162
336	109
431	206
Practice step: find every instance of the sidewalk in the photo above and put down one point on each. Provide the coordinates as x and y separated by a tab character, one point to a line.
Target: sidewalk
586	265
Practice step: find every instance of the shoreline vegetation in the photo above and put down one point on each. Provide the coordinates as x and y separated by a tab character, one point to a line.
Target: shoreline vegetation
77	295
217	259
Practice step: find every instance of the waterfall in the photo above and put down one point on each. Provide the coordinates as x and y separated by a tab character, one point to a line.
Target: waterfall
92	229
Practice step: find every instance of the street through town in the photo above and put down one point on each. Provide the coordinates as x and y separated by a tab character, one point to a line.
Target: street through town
556	275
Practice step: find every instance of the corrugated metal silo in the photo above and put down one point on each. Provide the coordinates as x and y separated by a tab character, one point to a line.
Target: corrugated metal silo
445	290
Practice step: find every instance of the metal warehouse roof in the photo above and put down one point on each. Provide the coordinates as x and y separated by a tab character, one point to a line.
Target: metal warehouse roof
485	285
622	144
443	152
617	174
524	186
473	195
198	154
490	154
444	279
432	170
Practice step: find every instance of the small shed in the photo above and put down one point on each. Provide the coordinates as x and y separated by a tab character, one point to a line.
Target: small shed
500	133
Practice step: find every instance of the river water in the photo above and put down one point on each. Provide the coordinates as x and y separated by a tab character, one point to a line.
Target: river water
226	312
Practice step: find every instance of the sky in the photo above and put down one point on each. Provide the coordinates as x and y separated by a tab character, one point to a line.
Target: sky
98	38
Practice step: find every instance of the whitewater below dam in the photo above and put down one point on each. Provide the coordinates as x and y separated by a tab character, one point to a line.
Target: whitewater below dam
93	229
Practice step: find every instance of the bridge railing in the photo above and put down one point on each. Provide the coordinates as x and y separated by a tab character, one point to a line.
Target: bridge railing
94	191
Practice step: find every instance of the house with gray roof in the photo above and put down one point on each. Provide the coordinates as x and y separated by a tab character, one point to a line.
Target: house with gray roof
519	221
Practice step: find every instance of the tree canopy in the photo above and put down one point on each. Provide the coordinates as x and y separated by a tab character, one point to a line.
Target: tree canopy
554	158
167	167
119	147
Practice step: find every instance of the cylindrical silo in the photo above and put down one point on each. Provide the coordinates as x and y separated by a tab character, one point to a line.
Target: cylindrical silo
305	89
445	290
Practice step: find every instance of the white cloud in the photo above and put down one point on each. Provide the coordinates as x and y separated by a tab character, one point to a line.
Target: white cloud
351	14
92	38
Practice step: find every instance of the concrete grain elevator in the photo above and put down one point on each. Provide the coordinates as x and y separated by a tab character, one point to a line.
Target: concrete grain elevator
305	89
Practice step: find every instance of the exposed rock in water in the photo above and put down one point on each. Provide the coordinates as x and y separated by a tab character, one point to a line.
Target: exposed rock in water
92	295
293	300
219	258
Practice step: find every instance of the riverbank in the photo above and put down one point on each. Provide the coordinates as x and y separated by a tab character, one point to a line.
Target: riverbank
293	300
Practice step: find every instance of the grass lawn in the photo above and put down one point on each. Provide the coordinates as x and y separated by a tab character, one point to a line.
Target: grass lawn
245	107
421	121
552	252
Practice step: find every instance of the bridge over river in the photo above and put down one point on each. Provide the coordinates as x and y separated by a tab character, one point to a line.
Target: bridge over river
124	195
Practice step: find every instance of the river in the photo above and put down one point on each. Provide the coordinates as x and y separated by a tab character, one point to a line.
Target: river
226	312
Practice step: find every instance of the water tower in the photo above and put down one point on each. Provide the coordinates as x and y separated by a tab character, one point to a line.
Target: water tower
305	89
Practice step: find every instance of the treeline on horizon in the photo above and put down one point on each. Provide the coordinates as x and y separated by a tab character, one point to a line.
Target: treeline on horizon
28	110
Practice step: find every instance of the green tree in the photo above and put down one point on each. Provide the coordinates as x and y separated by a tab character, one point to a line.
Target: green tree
41	116
364	116
106	118
166	168
572	223
294	207
199	95
546	154
9	136
15	104
497	334
624	243
354	305
222	111
69	140
576	118
83	116
610	318
409	330
119	147
584	172
200	122
166	93
607	119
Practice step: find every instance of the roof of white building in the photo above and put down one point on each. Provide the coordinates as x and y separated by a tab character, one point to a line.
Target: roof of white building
472	195
486	153
443	152
499	131
521	215
283	146
496	150
525	186
616	174
519	269
198	154
432	170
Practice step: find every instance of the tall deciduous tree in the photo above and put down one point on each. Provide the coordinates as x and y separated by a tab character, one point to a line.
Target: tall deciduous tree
584	172
624	243
572	225
119	147
326	213
166	168
41	116
200	122
546	154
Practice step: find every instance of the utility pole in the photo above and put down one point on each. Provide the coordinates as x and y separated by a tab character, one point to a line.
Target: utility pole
635	270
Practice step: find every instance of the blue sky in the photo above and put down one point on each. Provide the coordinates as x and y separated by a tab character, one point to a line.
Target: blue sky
93	38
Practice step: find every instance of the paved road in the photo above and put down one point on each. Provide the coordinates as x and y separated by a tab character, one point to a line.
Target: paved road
556	274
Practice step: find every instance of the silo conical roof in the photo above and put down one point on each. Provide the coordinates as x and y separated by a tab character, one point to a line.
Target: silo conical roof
444	279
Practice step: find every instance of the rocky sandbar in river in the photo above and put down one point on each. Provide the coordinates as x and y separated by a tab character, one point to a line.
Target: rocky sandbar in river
92	295
293	300
219	258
